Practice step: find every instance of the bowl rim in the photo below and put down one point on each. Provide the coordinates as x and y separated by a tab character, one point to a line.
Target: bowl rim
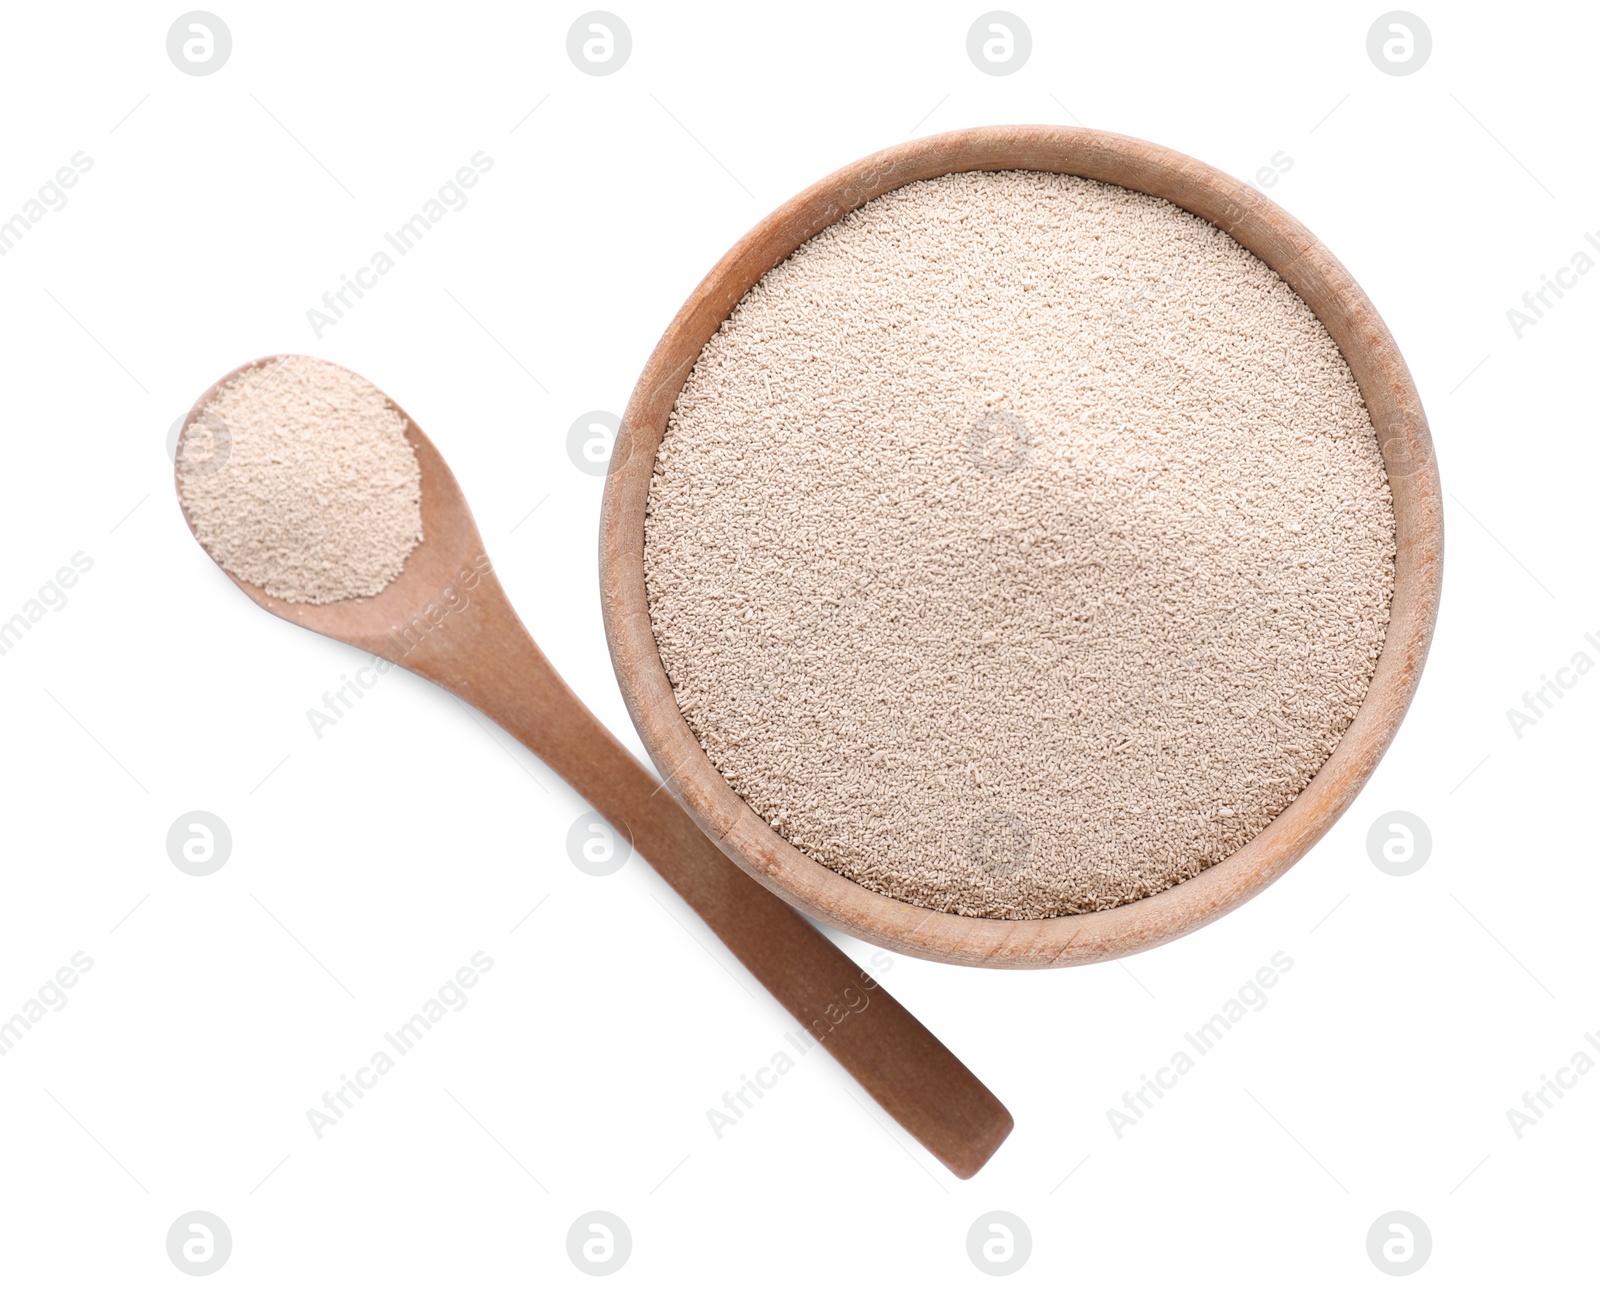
1393	403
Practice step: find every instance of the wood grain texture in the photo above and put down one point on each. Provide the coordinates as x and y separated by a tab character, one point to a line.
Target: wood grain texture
447	618
1272	235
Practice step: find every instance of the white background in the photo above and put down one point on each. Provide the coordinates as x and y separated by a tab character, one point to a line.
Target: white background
369	864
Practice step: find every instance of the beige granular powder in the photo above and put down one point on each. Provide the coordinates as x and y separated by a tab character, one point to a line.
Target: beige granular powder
1020	546
298	479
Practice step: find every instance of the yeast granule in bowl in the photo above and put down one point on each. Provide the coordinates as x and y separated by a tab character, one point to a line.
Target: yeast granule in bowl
1020	546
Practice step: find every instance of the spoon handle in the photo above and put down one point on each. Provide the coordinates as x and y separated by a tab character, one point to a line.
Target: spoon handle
910	1073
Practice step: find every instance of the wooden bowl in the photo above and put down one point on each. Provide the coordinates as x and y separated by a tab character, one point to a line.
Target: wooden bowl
1392	401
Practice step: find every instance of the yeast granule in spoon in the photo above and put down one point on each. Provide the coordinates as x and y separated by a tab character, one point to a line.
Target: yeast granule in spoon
1020	546
298	479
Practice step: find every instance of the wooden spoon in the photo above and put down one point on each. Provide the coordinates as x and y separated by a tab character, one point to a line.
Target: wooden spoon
447	618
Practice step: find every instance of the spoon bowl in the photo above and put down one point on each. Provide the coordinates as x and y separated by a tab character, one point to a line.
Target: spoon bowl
430	587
